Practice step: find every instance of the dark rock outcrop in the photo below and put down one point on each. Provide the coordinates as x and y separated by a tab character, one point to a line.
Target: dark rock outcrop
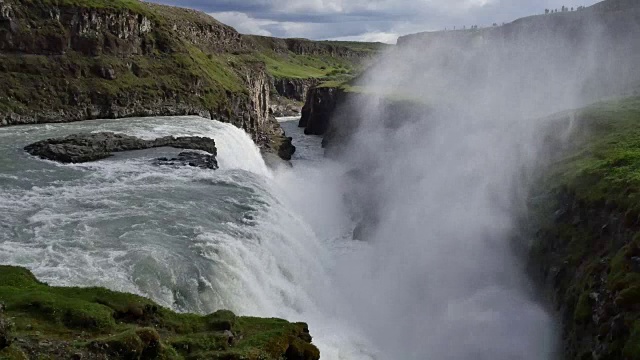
296	89
79	148
337	113
584	255
5	330
319	108
191	158
283	107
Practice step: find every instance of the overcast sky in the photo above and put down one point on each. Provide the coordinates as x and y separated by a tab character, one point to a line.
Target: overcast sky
364	20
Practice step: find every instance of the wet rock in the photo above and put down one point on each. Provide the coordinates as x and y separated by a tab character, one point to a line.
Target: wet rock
635	263
321	102
230	337
79	148
105	72
296	89
286	149
191	158
5	330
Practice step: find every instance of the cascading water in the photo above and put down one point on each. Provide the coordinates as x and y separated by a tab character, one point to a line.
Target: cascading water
242	238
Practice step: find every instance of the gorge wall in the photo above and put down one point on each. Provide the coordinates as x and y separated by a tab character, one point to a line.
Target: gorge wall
69	61
584	219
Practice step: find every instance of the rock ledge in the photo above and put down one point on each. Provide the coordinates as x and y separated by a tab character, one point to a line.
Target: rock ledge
79	148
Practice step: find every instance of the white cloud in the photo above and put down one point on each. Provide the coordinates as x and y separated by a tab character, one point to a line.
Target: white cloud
243	22
383	37
376	20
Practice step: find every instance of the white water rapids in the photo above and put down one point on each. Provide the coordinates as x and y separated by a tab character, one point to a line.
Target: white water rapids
243	238
257	241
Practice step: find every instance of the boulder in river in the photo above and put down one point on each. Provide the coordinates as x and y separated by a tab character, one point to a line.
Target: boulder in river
5	327
191	158
79	148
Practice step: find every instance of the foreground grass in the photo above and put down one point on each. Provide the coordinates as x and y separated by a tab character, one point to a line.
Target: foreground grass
45	322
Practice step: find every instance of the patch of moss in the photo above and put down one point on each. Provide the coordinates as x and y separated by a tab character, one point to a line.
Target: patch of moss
97	321
583	310
12	353
632	347
605	163
131	5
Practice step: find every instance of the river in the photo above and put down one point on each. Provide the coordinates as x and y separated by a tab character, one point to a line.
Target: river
272	242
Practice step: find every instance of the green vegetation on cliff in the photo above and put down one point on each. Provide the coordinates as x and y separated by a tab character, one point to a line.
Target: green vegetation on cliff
69	60
588	243
604	166
305	59
58	55
40	321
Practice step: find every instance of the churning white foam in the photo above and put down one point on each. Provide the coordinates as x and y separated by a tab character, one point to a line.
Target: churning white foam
241	238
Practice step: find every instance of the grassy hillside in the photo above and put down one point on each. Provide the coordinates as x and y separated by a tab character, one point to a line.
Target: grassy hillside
42	322
305	59
79	59
604	165
588	231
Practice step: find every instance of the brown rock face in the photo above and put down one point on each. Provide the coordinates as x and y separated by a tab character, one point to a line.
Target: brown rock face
79	148
319	108
117	61
296	89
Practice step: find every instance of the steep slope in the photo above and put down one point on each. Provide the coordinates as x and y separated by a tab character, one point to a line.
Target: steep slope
75	60
585	216
38	321
67	60
297	65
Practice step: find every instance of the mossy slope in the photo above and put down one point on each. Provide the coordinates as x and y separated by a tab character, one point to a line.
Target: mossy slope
43	322
588	231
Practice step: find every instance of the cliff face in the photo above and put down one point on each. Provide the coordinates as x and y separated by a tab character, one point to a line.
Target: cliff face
117	59
299	64
319	108
586	226
296	89
307	47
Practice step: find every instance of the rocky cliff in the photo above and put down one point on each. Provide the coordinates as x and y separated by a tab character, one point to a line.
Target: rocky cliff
299	64
74	60
314	48
319	108
296	89
585	220
68	61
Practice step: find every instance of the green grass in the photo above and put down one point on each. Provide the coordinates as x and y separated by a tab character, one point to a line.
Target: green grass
589	230
131	5
118	325
605	163
294	66
371	47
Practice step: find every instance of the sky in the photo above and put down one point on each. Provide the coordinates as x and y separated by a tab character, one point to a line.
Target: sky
365	20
